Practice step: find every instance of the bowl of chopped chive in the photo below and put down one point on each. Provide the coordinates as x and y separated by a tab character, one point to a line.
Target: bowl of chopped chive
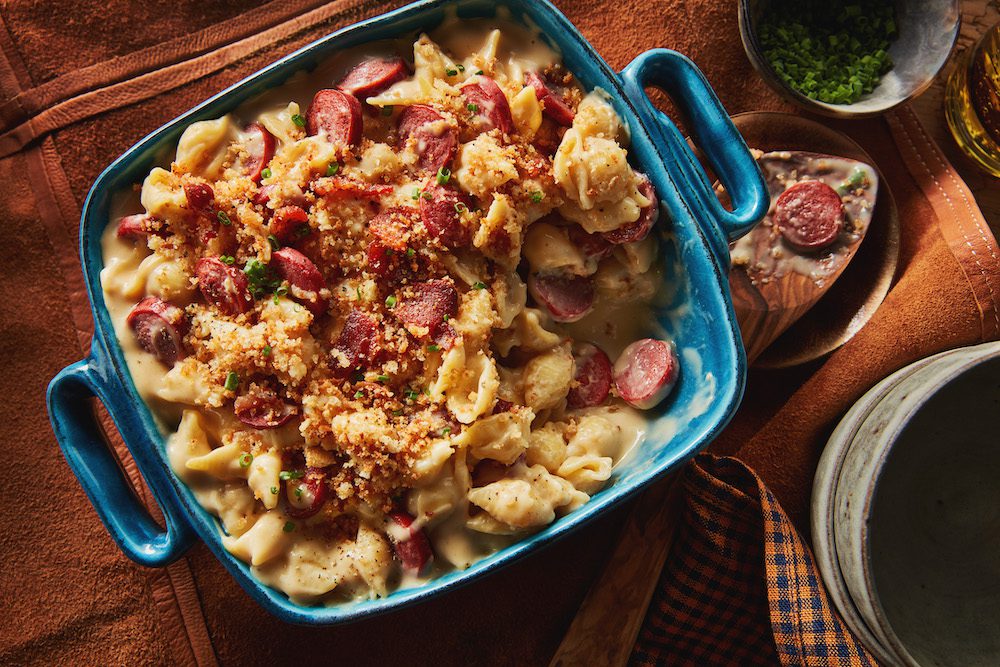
849	58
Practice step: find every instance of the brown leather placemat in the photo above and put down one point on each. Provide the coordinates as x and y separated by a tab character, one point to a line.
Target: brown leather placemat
80	83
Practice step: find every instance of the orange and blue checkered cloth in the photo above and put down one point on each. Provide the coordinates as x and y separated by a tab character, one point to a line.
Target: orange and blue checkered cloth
740	586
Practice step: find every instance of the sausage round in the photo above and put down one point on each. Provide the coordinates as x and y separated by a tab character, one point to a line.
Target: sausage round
159	328
809	215
337	114
645	372
225	287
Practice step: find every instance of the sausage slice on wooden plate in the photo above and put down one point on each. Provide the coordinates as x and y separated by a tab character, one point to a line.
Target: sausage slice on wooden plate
159	328
645	372
810	215
337	115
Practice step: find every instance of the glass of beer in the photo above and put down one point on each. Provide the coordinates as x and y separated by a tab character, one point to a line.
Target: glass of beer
972	102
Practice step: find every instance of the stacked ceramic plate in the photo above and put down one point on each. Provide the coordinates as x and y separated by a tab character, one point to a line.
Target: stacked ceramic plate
906	512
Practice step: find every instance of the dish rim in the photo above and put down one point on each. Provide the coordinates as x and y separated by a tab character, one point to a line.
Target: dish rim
108	358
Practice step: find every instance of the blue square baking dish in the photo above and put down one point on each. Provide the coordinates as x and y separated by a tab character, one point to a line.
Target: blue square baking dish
696	230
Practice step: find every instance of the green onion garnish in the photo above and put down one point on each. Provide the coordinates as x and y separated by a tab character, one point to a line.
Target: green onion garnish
232	381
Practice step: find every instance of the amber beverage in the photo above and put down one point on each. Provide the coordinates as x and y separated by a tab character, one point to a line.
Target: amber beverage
972	102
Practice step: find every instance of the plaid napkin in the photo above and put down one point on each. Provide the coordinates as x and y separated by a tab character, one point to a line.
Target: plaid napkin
740	586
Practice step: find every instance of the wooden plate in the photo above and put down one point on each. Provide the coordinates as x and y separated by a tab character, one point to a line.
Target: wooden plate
863	285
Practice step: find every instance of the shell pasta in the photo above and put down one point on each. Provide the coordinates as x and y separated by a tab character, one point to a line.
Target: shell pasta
374	322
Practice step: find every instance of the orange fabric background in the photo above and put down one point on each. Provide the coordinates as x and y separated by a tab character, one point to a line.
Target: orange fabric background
79	84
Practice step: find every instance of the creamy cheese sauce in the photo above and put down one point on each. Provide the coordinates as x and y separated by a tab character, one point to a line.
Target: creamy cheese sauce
130	273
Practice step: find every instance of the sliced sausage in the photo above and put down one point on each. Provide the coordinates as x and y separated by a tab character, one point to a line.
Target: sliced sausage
261	408
441	208
305	279
159	328
263	195
199	195
225	287
566	297
346	188
337	114
411	545
491	106
305	496
259	145
289	223
139	226
593	377
638	230
553	105
357	345
645	372
593	246
809	215
436	141
432	303
370	77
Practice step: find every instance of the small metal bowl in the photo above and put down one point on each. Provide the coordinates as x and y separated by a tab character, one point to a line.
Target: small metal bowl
927	33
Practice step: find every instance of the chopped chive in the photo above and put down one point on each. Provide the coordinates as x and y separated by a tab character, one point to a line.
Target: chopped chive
289	527
410	252
474	108
273	240
451	72
389	252
266	172
416	194
446	430
298	492
461	67
281	291
358	289
274	490
446	317
428	196
286	475
397	413
382	378
359	394
390	301
537	196
299	120
412	395
443	175
246	459
223	218
232	381
267	350
332	168
478	285
460	207
479	71
387	110
228	260
433	347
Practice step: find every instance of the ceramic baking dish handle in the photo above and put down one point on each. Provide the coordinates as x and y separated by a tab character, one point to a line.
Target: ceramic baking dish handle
103	478
712	131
